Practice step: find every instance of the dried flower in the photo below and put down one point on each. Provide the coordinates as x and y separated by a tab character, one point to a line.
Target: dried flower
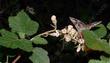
54	20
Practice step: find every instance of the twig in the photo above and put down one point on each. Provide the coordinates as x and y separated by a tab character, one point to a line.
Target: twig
16	59
47	32
7	59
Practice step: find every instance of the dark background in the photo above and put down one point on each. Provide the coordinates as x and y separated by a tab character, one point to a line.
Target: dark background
85	10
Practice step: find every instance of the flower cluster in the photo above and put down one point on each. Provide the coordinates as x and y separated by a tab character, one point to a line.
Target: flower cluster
69	34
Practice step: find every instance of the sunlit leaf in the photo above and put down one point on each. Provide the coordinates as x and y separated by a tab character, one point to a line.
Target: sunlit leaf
39	40
23	24
94	42
101	31
39	56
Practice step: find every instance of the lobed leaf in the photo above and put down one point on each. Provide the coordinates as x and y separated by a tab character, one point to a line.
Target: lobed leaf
25	45
94	42
39	40
101	32
8	42
16	43
6	33
39	56
23	24
7	38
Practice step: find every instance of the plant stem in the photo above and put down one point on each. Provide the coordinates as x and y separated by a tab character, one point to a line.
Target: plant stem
16	59
6	59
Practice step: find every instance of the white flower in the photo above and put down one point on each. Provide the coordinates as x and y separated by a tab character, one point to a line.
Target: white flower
67	38
81	41
73	32
78	48
64	31
70	27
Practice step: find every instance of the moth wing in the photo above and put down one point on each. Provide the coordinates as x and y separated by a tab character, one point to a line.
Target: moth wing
76	21
91	25
78	24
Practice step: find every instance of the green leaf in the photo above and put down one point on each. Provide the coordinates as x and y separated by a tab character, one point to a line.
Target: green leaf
21	35
8	39
8	42
108	26
39	40
94	42
101	32
23	44
39	56
23	24
6	33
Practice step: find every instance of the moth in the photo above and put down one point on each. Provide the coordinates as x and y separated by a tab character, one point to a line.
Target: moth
80	26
